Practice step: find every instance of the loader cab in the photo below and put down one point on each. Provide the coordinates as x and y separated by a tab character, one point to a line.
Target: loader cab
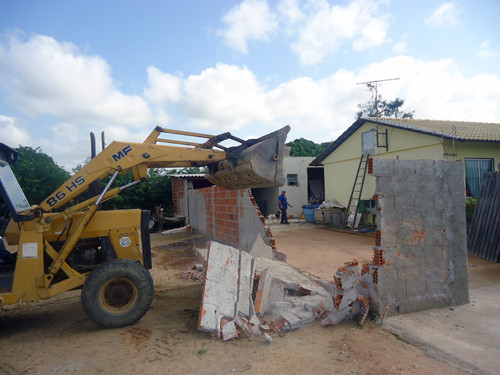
16	202
11	191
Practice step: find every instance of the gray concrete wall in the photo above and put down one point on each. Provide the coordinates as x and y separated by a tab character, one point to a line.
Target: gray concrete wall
198	213
422	243
267	199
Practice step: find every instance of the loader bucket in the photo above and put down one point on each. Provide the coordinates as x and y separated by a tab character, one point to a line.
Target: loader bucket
256	163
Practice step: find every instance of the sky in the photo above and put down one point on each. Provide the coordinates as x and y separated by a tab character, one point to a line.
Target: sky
123	67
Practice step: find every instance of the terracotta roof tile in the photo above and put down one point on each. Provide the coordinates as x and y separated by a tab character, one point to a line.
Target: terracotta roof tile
460	130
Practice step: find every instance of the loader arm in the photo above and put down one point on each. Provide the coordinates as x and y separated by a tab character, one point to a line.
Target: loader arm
254	163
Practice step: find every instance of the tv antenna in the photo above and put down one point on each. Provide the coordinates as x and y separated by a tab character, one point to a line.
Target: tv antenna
375	83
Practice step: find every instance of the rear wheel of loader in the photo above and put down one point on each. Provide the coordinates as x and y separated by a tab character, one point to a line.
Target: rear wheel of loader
117	293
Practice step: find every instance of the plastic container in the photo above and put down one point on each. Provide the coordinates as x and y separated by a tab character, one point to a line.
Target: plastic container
309	215
309	211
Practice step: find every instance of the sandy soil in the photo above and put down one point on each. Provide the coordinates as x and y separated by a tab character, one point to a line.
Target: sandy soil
55	336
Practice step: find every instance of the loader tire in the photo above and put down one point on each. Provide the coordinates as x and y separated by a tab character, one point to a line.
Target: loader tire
117	293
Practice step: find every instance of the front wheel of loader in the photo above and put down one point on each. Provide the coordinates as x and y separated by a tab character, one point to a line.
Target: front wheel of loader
117	293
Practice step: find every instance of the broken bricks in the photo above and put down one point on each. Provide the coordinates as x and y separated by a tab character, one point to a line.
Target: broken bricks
247	295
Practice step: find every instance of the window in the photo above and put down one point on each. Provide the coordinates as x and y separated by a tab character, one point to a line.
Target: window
368	142
292	180
474	171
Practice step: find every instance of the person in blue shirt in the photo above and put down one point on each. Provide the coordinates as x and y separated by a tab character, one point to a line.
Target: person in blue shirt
283	206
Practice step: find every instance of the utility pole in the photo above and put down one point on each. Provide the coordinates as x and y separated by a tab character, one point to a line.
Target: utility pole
376	82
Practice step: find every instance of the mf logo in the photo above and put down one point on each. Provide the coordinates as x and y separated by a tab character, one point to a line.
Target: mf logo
122	153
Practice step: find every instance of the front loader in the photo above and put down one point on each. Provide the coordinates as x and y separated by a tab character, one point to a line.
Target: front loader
64	246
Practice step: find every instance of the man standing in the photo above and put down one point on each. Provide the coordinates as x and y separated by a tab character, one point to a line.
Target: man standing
283	206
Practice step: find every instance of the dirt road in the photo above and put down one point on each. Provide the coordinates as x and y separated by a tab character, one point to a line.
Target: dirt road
55	337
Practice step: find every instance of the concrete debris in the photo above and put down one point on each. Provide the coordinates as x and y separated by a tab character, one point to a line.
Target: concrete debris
261	249
229	330
228	286
254	295
268	338
196	273
263	292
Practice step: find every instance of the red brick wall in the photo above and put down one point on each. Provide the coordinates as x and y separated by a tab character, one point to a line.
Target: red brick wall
222	213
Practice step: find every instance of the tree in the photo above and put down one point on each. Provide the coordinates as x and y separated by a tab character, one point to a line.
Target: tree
378	107
304	147
155	191
37	174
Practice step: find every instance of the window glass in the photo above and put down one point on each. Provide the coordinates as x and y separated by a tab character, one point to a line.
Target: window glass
368	142
292	180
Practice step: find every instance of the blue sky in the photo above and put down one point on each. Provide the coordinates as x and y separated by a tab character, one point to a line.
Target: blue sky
248	67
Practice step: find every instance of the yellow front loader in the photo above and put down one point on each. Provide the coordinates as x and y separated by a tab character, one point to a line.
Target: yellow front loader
107	253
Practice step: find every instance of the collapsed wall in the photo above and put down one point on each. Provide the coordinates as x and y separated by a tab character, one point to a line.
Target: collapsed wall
232	217
420	257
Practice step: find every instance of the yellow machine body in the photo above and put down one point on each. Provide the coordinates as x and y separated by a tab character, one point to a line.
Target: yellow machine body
63	246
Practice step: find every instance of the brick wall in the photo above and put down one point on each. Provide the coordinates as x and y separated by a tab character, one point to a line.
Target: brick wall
222	210
229	216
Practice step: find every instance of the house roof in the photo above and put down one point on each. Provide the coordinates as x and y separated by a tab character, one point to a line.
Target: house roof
461	131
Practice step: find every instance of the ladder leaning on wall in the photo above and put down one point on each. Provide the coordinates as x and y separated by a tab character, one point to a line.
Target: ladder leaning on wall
357	189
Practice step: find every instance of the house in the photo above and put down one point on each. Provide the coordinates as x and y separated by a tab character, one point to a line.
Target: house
303	183
476	144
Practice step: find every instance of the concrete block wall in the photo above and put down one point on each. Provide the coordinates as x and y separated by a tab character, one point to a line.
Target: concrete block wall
420	257
179	196
229	216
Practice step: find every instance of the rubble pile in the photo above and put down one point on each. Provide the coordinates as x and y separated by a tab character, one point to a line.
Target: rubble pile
252	296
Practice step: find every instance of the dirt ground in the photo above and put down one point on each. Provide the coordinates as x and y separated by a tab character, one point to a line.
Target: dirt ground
55	336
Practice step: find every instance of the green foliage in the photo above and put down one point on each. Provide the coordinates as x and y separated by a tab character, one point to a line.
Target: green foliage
471	202
155	191
304	147
378	107
37	174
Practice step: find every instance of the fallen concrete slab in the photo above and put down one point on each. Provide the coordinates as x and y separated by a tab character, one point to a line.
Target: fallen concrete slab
248	295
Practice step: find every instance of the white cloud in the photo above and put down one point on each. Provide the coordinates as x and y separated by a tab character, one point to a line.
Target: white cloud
327	28
220	98
47	77
399	47
486	51
446	15
251	20
315	29
438	89
317	110
290	14
13	134
163	87
228	98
